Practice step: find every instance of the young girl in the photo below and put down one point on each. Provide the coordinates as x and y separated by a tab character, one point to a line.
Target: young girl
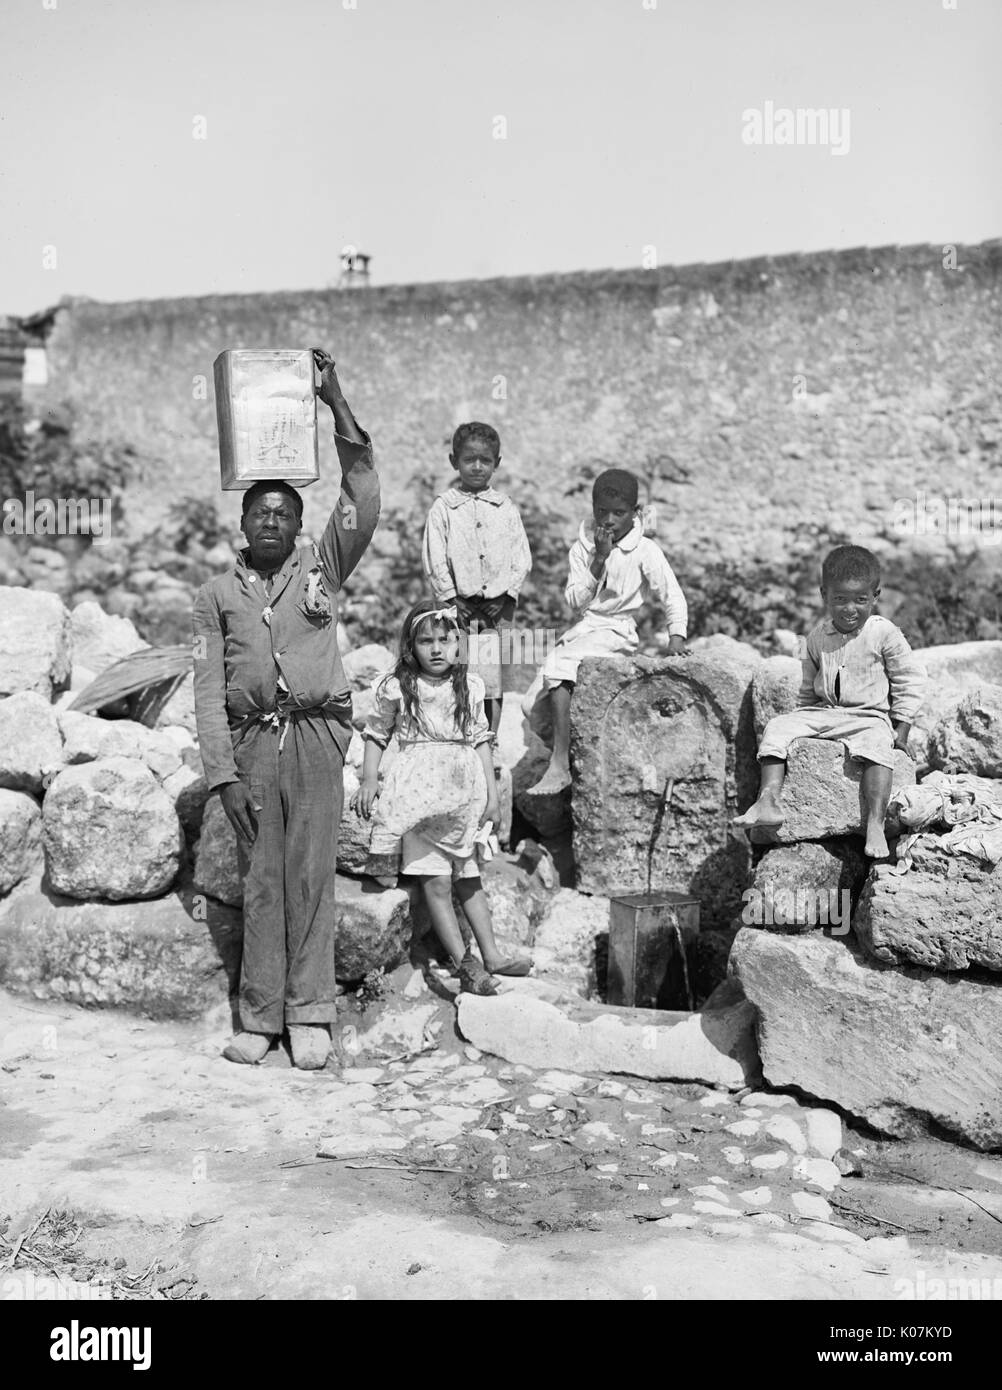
440	790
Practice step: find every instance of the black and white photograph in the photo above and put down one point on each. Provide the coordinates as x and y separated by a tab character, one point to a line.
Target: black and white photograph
501	670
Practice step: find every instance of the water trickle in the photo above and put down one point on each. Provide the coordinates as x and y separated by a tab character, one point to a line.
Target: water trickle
685	963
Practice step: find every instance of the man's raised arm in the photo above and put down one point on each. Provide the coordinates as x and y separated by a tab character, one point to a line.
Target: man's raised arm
353	520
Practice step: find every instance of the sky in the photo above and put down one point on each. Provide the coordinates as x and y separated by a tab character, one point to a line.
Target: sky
190	147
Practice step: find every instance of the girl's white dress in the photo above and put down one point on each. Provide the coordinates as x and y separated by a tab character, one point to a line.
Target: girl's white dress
435	792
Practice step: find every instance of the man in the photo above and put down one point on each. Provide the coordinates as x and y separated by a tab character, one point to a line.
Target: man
273	710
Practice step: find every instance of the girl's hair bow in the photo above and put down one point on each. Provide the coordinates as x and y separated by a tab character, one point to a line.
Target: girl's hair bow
450	615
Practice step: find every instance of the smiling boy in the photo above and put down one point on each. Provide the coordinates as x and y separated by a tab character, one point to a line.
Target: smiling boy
861	684
476	553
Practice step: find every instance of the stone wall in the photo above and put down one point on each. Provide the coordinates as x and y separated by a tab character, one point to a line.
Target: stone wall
899	360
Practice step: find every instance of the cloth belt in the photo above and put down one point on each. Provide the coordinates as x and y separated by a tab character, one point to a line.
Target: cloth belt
280	718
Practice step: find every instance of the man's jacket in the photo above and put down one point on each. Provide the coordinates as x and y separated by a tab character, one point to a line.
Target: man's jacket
261	658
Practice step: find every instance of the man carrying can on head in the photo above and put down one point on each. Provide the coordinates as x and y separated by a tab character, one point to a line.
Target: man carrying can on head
273	711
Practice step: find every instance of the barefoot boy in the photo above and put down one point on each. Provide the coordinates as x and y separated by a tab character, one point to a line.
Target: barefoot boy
614	568
476	553
861	685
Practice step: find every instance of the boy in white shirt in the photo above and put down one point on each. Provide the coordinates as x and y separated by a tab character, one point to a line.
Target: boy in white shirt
614	569
476	553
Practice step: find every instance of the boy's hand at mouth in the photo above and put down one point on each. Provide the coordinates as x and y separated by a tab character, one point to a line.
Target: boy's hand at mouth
603	542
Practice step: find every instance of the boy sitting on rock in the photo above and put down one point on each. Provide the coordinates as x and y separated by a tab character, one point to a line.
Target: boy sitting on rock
861	685
614	569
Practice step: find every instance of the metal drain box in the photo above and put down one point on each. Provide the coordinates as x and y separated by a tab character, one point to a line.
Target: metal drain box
650	937
266	414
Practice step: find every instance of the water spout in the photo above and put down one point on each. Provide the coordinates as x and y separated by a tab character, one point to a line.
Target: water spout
659	817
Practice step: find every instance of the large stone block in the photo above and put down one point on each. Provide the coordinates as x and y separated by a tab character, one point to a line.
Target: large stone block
896	1048
638	726
944	913
172	957
34	642
31	745
804	886
111	831
964	665
775	686
87	738
517	902
822	795
100	639
373	927
20	837
567	938
217	865
715	1046
969	737
189	791
354	833
954	671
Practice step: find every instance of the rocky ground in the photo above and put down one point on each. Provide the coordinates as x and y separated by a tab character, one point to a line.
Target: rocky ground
131	1153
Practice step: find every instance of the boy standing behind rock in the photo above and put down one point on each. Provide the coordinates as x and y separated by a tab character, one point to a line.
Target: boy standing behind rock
476	553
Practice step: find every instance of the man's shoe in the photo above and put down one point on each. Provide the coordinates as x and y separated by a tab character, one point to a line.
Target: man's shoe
248	1047
311	1045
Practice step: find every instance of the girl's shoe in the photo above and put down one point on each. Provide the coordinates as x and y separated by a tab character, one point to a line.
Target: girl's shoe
519	967
248	1047
311	1045
473	978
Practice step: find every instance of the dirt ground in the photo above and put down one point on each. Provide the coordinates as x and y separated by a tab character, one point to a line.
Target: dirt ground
134	1159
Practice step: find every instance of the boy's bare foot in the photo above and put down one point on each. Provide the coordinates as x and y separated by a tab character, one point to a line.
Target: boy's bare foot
311	1045
766	811
556	777
248	1048
876	843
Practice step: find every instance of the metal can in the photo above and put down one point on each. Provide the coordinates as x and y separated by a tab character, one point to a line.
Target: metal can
266	413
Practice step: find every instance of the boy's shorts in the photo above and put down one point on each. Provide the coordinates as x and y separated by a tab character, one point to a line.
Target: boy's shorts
866	734
486	650
588	639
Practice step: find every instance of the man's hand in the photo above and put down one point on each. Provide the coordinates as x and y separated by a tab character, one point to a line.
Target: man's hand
366	797
240	809
464	609
901	732
329	389
677	647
